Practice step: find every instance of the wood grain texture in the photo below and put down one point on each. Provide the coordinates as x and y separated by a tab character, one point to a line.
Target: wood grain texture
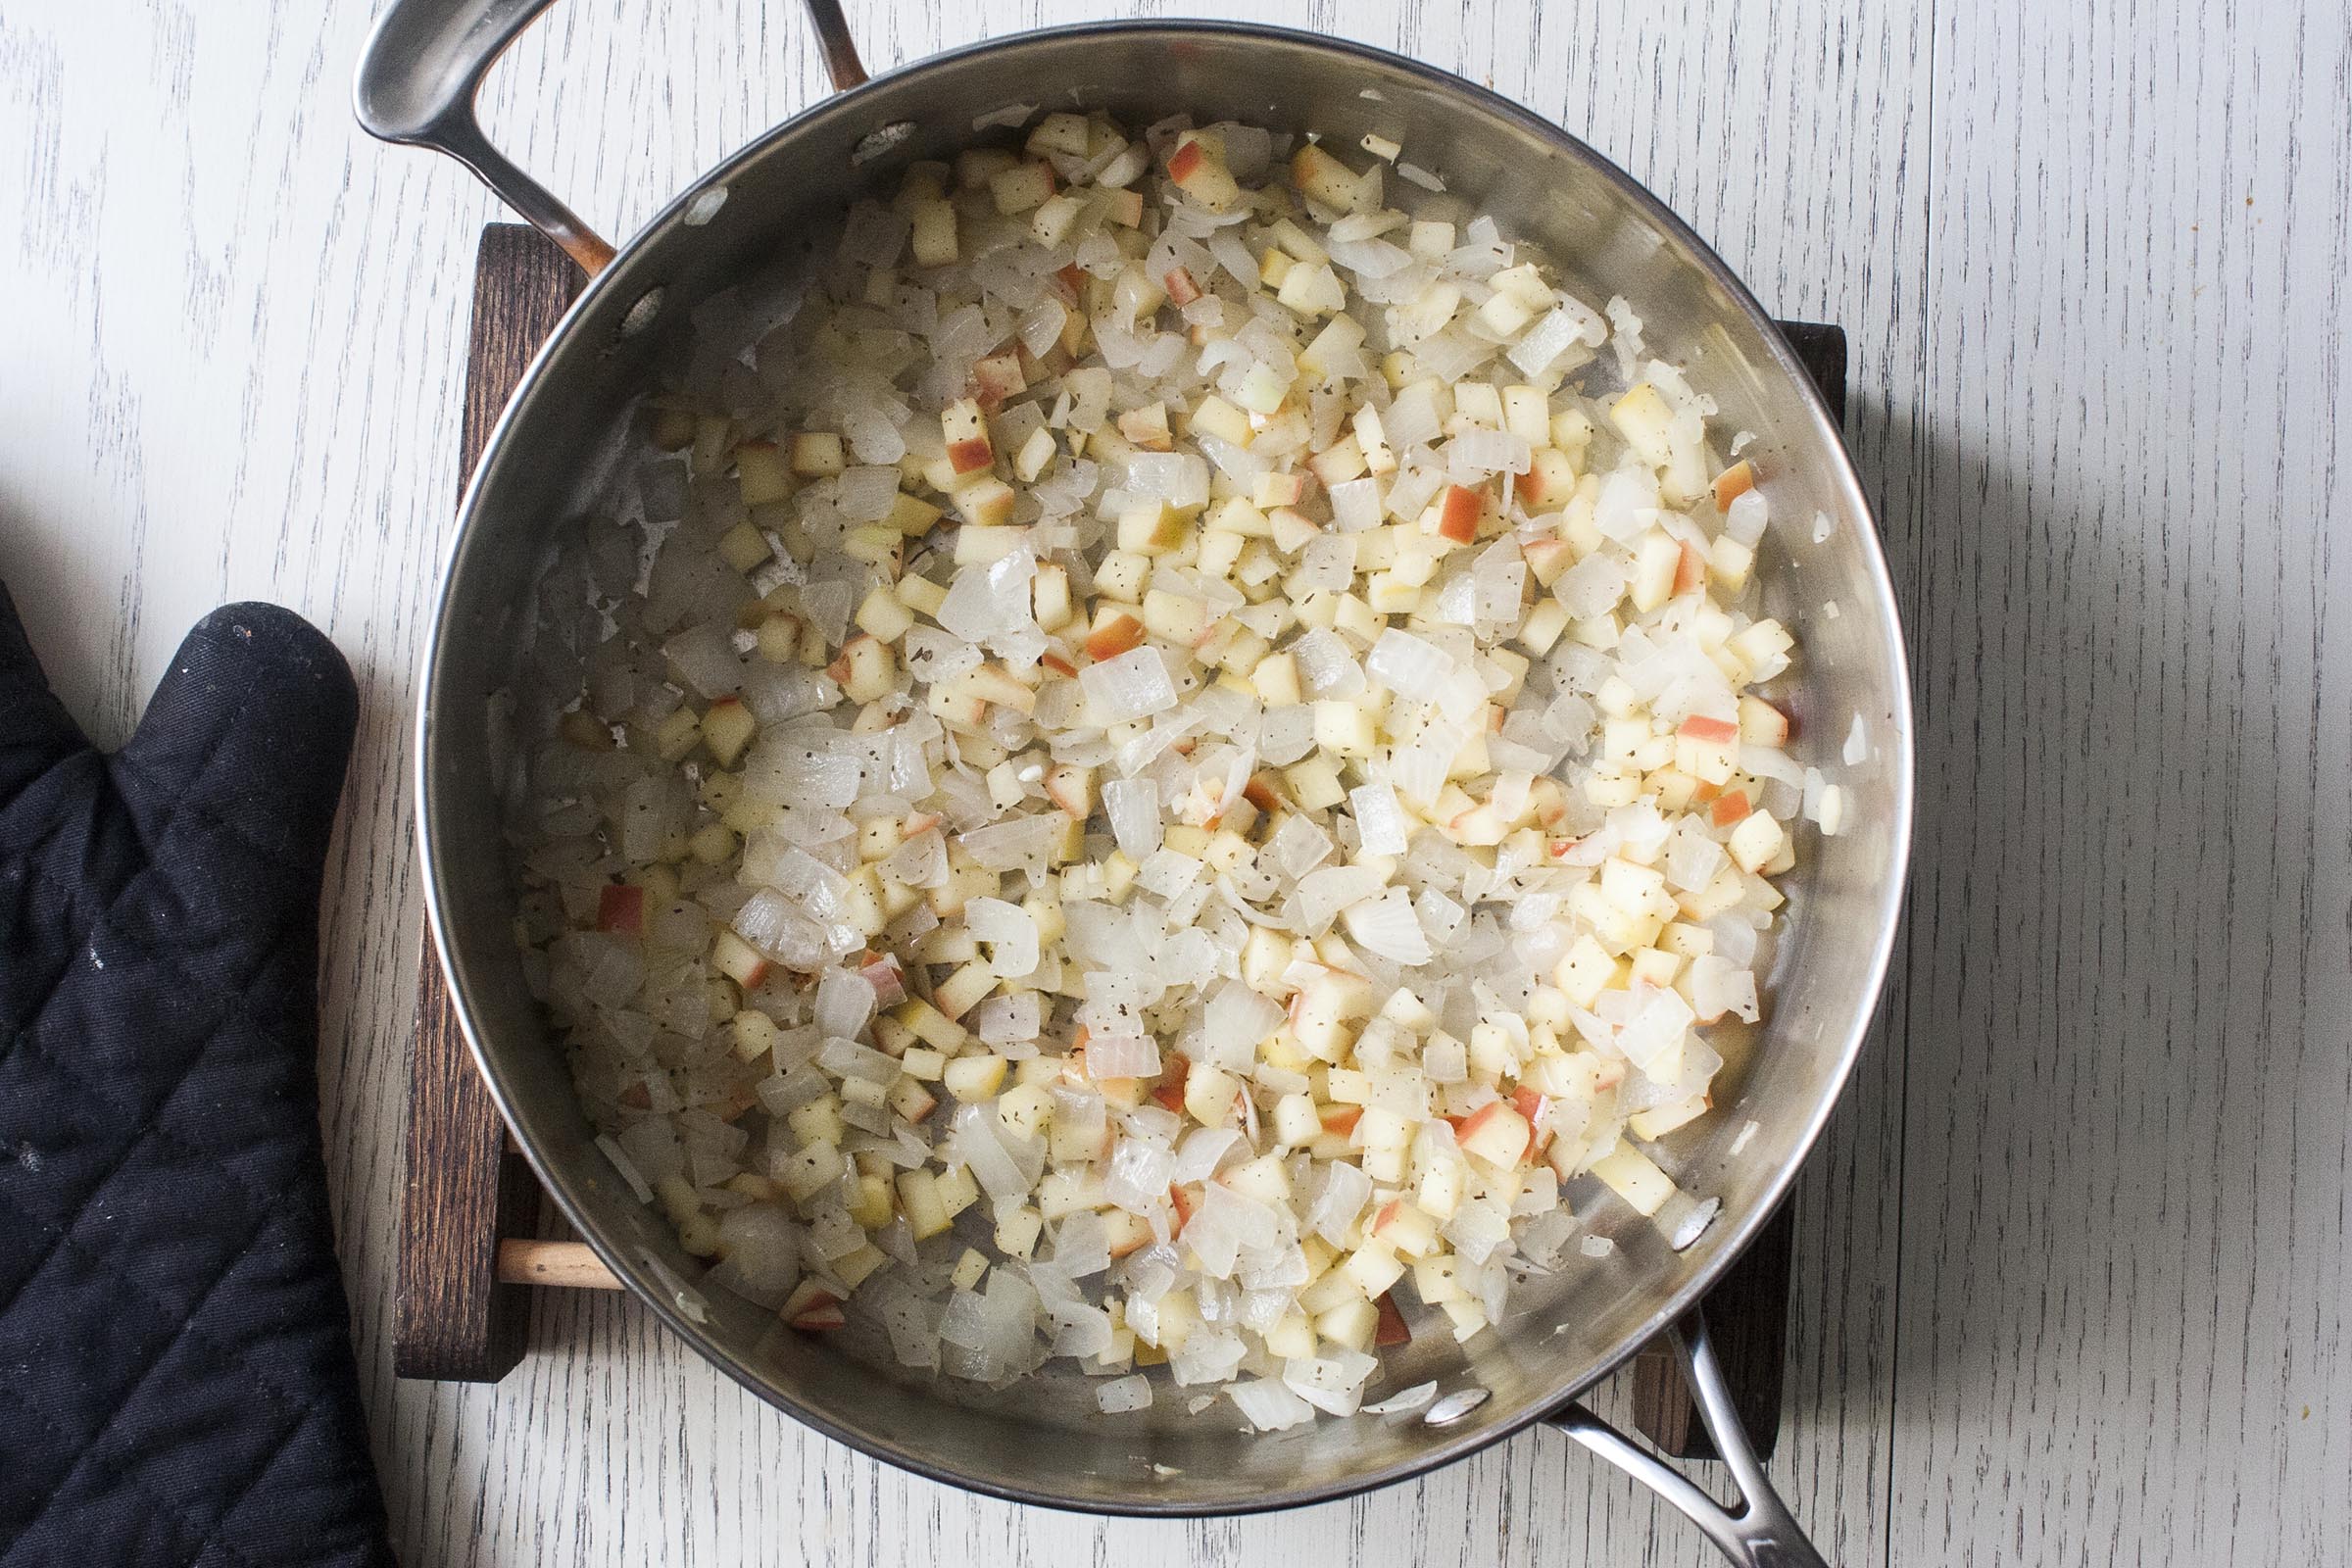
451	1316
2071	1261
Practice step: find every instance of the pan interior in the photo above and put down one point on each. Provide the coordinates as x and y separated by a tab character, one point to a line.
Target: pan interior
1042	1439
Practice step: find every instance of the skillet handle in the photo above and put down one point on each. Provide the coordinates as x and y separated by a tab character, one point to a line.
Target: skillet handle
423	66
1763	1534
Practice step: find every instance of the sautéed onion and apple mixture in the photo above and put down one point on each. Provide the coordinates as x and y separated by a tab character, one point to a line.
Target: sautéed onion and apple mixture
1178	768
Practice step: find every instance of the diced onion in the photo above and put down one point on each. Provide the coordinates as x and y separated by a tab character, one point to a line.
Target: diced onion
1131	733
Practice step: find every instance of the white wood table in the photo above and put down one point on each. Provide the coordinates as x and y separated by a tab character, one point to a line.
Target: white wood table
2073	1275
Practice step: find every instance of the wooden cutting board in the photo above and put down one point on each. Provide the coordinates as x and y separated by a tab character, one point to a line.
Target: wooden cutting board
463	1308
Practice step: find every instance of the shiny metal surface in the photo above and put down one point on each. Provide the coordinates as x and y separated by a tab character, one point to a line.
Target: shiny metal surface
419	75
1763	1534
1042	1441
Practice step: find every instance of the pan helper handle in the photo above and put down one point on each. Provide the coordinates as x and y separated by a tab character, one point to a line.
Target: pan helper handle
1763	1534
423	67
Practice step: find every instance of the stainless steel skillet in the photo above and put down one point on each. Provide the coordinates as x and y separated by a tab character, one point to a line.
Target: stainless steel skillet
1042	1441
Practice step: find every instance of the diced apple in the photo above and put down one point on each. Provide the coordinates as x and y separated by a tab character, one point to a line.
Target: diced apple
1761	724
1147	428
966	430
1458	513
865	669
1210	1093
974	1078
1072	788
1732	483
1053	219
1407	1227
1656	561
762	477
997	378
1689	570
1178	619
1755	842
817	455
1496	1134
1634	1177
728	727
620	908
1021	187
987	502
1550	479
932	241
1152	528
811	1308
1321	177
1049	596
1198	168
1353	1324
1730	562
913	515
1115	632
1313	288
1642	418
1035	453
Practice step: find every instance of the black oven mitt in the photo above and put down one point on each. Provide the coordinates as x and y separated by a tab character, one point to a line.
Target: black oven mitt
176	1382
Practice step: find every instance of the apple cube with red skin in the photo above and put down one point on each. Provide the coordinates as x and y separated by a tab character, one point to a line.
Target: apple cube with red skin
1548	559
1689	570
1072	788
888	977
966	430
738	960
620	908
1529	1102
1393	1329
1170	1091
1115	632
1458	513
1147	428
811	1308
865	669
1550	479
1732	483
1714	732
1182	290
1270	490
1729	807
997	378
1761	724
1128	1233
1496	1134
1198	168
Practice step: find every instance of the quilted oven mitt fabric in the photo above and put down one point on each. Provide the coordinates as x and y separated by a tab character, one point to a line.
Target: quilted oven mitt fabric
176	1382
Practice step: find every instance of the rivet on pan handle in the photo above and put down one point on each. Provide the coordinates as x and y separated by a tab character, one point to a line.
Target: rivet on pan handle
1763	1534
424	64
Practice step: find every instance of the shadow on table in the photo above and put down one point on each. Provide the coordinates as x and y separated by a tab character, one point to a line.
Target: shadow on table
2035	1154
